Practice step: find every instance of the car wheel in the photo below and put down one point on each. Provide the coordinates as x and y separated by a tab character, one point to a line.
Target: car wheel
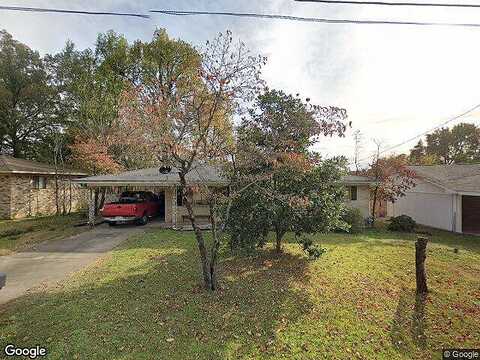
143	220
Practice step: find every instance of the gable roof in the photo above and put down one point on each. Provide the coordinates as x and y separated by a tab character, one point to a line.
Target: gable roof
460	178
11	165
201	174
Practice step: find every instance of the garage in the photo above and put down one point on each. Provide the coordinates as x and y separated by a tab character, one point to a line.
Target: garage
471	214
444	197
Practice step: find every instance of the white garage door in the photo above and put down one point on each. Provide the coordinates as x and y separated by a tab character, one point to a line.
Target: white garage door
433	210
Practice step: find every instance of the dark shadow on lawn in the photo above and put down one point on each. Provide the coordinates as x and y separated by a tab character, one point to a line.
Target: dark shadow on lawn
158	308
409	323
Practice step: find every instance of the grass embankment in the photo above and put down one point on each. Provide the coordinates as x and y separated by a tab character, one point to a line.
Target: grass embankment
144	301
21	234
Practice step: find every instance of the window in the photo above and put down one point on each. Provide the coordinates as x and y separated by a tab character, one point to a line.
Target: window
39	182
353	193
179	197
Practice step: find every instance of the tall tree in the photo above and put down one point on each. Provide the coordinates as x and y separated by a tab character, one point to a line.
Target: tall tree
294	189
460	144
392	177
91	83
28	100
181	110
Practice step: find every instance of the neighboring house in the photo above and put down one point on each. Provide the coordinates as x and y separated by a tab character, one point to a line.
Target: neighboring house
359	188
167	186
29	188
445	197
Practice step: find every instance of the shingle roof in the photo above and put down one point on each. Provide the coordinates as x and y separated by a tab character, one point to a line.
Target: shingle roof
456	177
201	174
11	165
357	180
205	174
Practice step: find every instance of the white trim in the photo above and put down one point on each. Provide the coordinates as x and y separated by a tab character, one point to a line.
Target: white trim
468	193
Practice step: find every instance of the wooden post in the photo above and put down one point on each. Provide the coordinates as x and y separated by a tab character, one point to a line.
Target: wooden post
91	208
420	256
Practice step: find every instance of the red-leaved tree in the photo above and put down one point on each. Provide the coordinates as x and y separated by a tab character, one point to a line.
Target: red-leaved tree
392	177
181	109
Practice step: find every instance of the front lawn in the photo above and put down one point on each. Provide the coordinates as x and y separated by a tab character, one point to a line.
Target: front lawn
144	302
21	234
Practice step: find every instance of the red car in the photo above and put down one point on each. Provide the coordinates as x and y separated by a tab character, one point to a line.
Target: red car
132	206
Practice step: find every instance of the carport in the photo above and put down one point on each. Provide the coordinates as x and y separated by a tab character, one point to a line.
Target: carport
163	181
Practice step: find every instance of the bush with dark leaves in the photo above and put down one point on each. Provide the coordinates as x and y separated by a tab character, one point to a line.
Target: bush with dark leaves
402	223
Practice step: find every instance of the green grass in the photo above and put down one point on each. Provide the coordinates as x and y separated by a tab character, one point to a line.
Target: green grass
144	301
21	234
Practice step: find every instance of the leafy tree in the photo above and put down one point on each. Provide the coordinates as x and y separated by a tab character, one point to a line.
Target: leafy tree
28	100
181	110
293	189
460	144
91	83
418	153
392	178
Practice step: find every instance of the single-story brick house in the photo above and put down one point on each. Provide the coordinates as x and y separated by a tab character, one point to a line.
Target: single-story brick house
28	188
167	185
445	197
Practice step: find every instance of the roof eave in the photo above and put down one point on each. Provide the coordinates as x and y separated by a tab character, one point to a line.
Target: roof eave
42	172
104	183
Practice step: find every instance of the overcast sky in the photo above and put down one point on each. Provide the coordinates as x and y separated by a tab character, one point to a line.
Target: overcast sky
394	81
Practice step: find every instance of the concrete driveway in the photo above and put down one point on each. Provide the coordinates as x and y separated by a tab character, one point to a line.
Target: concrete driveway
50	262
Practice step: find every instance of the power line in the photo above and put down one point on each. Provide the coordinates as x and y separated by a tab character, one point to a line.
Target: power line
386	3
456	117
311	19
78	12
249	15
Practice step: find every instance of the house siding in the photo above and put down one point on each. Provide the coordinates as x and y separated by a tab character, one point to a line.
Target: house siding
429	205
363	200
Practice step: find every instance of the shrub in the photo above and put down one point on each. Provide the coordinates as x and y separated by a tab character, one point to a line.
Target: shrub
354	218
402	223
313	251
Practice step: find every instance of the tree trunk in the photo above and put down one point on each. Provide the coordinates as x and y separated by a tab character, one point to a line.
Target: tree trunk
57	204
374	205
187	198
215	247
278	240
16	147
420	256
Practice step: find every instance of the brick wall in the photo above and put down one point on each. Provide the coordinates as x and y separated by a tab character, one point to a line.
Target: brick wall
28	201
4	197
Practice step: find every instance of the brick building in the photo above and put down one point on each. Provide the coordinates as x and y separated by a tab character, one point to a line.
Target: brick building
29	188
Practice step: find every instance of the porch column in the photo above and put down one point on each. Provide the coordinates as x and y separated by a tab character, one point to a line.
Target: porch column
174	208
91	208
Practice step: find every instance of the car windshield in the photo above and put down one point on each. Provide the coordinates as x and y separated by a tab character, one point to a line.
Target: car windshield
131	198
